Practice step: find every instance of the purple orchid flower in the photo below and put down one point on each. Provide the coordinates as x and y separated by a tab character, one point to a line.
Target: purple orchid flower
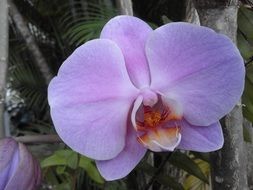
18	169
136	89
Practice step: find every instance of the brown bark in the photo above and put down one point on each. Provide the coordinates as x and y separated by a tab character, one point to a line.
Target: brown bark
191	14
229	163
33	139
32	46
3	59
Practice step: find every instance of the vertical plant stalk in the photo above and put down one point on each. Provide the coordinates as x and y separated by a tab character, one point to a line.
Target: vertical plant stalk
31	44
125	7
3	59
229	163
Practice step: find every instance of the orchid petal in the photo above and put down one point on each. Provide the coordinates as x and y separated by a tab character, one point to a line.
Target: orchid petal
201	138
196	67
90	100
125	162
130	34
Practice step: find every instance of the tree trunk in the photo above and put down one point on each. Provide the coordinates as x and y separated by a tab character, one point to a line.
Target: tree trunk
125	7
191	14
32	46
3	59
229	163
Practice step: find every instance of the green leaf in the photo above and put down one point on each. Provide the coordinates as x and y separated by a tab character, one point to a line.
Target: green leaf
201	155
163	179
193	183
69	158
60	169
182	161
53	160
72	160
249	73
63	186
85	26
245	22
245	32
26	79
88	166
115	185
247	98
244	46
247	134
61	157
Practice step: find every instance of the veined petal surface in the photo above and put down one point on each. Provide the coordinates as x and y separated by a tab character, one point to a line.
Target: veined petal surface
197	67
130	34
126	161
201	138
90	100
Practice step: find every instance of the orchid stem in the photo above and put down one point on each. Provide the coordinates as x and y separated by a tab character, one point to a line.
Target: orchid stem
159	169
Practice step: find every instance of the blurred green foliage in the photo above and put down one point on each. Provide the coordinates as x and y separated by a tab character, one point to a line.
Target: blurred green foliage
245	45
66	165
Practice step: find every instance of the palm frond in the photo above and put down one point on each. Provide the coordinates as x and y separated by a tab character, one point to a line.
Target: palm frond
25	78
87	23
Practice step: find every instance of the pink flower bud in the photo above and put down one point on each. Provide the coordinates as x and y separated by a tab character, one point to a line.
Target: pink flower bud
18	168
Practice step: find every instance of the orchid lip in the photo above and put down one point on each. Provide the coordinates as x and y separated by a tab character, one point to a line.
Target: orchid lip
169	148
157	127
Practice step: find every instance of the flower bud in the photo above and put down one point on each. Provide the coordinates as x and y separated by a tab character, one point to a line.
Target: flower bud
18	169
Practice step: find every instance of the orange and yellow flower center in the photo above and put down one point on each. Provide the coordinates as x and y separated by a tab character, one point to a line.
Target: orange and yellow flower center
155	133
152	119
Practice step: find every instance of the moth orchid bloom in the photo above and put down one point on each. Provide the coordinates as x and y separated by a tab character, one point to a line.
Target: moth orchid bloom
18	169
136	88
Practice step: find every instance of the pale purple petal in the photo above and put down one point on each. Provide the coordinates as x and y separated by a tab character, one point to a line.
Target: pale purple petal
201	138
96	130
130	34
125	162
95	71
90	100
200	69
